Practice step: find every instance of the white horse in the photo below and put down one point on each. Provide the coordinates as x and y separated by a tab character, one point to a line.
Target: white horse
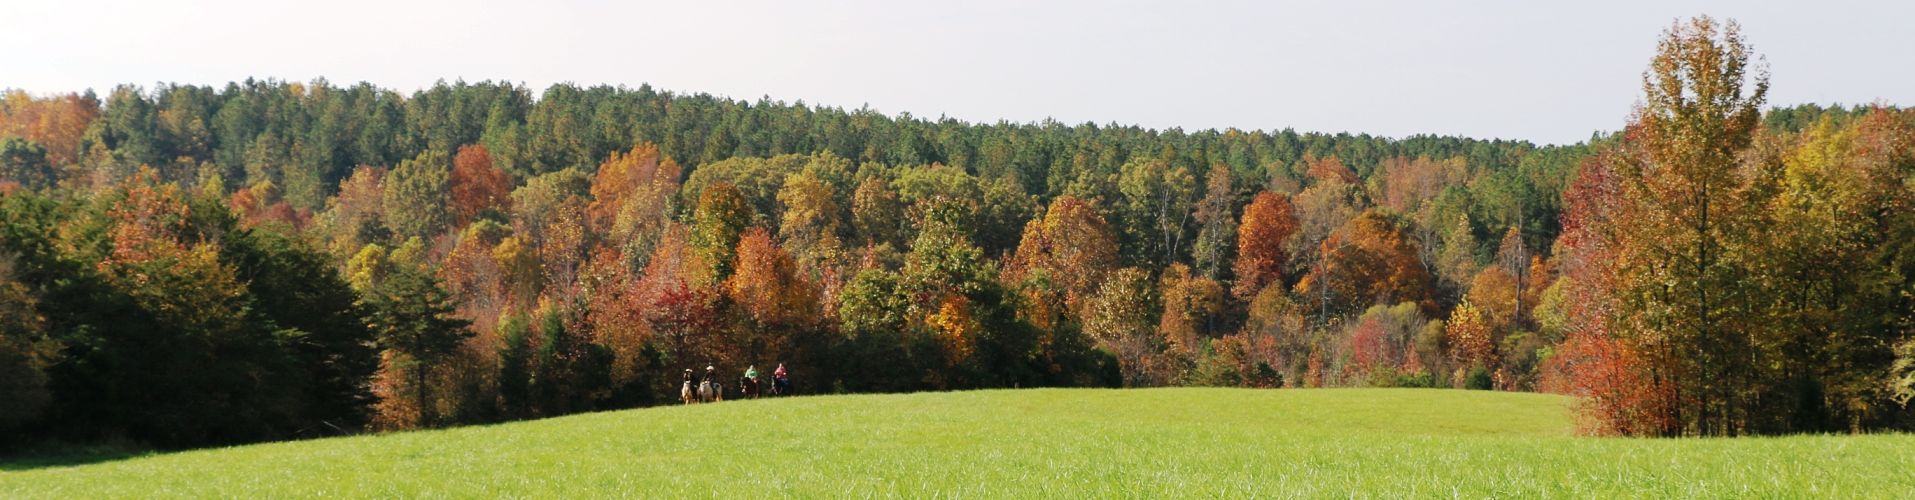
710	392
686	394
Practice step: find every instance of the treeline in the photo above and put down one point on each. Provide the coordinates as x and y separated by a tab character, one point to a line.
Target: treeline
495	273
191	265
506	285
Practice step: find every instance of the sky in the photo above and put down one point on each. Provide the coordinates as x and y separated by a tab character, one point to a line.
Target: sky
1543	71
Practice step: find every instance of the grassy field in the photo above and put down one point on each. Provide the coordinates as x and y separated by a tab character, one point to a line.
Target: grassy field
1022	443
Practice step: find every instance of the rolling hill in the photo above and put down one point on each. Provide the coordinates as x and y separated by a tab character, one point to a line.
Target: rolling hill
1023	443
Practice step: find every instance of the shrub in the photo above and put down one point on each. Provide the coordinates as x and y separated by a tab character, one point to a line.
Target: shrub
1478	379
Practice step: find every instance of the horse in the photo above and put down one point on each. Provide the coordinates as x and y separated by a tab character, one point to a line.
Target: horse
780	386
710	392
686	394
747	388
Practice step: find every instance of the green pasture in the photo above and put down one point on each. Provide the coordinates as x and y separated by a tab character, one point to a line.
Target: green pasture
1057	443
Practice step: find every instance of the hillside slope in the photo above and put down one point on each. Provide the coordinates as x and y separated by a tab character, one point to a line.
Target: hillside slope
1161	442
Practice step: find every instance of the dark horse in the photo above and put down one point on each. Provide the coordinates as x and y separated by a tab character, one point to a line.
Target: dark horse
747	388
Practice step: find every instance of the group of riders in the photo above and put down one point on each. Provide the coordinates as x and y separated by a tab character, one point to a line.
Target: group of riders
708	388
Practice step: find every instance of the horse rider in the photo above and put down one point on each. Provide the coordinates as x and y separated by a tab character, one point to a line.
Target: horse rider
748	383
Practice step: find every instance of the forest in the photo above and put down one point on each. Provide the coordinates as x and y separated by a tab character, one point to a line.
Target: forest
190	265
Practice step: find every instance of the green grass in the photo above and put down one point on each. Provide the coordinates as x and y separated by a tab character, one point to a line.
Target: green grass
1024	443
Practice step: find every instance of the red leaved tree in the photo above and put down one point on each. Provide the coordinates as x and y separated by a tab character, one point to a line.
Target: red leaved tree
477	184
1267	224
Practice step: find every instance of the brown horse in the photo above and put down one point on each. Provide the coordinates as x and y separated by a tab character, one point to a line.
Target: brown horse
685	394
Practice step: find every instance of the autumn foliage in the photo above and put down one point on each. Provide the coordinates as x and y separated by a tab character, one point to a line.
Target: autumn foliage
1700	289
56	122
188	265
1370	260
1072	247
1266	227
477	184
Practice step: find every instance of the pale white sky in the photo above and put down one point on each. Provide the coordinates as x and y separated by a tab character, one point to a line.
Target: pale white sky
1538	70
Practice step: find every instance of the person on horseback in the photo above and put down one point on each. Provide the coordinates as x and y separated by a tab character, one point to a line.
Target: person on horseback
748	384
710	389
686	392
780	381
